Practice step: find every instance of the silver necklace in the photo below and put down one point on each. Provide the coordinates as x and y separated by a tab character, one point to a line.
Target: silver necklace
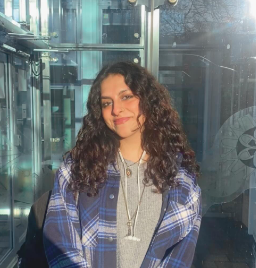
131	227
130	234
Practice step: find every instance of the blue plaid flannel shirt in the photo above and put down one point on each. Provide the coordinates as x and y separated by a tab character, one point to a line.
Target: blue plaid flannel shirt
82	233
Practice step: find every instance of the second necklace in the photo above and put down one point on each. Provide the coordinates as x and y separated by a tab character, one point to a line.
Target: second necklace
131	227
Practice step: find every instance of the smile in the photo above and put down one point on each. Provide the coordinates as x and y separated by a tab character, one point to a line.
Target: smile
120	121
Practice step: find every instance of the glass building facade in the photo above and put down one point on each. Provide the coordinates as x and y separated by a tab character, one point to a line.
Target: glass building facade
203	51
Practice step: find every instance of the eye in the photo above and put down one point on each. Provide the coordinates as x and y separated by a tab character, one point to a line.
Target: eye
127	97
106	104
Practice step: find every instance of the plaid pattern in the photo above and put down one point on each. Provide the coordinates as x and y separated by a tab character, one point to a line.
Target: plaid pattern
83	233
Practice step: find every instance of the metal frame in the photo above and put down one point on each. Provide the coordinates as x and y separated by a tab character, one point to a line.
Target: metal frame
143	37
37	138
11	137
10	255
6	66
46	87
153	45
95	47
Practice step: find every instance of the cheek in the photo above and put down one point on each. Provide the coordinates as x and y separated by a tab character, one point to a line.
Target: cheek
134	106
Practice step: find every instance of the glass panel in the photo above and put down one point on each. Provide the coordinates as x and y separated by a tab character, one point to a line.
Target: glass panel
121	26
5	155
15	9
2	7
23	183
91	22
208	63
16	13
71	77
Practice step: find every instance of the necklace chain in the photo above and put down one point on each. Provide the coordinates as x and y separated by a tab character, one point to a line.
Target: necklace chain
131	164
130	234
131	227
126	203
127	168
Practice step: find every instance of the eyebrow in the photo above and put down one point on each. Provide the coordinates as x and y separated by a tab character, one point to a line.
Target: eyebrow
122	91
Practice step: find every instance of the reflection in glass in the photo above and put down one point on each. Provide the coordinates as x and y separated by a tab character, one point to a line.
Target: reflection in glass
5	174
22	147
106	22
207	62
211	76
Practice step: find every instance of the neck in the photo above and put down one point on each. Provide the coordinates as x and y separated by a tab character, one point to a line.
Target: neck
131	148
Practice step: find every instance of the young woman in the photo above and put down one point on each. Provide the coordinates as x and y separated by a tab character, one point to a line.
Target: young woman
126	194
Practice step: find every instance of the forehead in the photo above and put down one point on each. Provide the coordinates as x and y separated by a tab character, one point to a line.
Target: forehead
114	83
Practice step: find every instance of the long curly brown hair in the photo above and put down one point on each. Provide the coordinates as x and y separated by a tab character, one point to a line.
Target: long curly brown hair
162	136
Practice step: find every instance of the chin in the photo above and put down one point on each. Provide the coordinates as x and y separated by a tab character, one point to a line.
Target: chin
123	136
126	134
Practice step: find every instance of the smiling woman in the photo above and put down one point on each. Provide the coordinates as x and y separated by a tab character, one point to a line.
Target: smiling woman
126	194
120	108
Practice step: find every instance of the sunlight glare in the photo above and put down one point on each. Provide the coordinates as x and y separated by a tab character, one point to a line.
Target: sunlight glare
252	8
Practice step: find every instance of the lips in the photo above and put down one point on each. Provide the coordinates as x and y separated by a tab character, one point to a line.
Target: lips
122	120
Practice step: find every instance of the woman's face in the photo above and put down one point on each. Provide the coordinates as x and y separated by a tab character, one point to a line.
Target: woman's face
120	108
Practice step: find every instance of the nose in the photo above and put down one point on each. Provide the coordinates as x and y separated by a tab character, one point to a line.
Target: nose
117	108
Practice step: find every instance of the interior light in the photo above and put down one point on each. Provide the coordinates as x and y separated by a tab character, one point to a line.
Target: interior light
17	212
26	211
54	59
9	47
4	211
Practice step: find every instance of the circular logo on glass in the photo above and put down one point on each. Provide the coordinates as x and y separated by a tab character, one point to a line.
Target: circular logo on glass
246	148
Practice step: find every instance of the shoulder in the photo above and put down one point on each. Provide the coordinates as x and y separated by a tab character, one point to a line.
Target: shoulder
61	193
63	174
187	192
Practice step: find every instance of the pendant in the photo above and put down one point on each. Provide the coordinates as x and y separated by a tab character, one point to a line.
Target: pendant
128	172
129	236
129	224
